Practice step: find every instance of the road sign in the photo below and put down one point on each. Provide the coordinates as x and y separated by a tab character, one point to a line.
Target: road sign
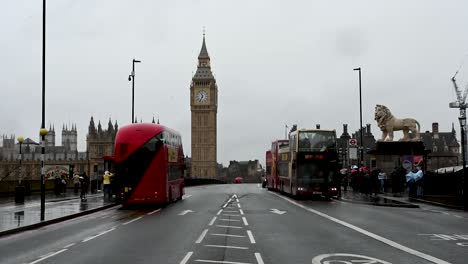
352	142
353	153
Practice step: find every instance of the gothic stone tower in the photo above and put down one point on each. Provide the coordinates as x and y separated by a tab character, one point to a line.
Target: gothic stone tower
204	108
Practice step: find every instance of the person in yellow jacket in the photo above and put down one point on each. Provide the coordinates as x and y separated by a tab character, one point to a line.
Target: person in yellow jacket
106	181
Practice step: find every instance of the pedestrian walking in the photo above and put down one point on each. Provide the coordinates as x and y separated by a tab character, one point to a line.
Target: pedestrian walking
382	179
84	186
374	181
106	180
64	185
76	182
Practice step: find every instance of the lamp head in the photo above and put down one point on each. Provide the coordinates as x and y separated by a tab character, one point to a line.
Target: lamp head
20	139
136	61
43	132
357	69
462	120
130	78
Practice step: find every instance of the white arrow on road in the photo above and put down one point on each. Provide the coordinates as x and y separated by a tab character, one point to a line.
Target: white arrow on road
276	211
185	212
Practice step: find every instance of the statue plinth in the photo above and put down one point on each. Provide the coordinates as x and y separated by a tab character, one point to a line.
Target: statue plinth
399	148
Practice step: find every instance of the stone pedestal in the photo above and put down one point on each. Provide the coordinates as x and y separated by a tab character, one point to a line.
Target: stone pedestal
389	155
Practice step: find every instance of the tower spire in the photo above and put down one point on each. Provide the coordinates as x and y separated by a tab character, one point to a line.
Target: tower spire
203	52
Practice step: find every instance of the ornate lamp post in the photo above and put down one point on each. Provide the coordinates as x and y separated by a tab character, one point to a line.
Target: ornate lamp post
131	77
462	120
19	190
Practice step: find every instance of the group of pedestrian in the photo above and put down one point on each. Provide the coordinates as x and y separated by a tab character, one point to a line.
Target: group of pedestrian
60	186
365	180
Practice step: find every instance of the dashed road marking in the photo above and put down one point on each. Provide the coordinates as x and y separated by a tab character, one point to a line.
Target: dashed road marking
231	214
237	200
187	257
100	234
259	258
241	212
220	246
200	238
228	235
229	226
251	238
219	212
219	261
212	221
230	211
133	220
367	233
245	221
229	220
155	211
238	205
48	256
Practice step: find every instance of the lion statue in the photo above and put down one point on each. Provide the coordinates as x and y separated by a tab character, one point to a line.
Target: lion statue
388	124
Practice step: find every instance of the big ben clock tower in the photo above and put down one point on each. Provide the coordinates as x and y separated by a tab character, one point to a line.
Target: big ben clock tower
204	108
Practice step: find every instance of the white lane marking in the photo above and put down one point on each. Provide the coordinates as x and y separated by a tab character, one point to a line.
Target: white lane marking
259	258
133	220
69	245
48	256
219	246
45	255
235	220
186	196
252	239
202	236
234	195
184	212
231	214
229	226
230	211
367	233
237	200
245	221
212	221
241	212
100	234
187	257
155	211
459	216
219	261
219	212
228	235
238	205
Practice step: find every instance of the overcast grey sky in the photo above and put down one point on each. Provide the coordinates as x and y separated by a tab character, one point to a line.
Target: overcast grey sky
276	63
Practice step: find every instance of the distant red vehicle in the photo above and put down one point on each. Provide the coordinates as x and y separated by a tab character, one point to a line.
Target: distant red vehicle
149	163
273	178
238	180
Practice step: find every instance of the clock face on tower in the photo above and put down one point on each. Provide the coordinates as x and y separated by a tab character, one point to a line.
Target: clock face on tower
201	96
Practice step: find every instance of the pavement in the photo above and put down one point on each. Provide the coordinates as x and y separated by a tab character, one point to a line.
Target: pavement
377	200
17	217
245	224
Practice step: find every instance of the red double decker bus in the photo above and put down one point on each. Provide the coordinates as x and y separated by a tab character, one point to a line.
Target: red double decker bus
268	163
149	163
272	179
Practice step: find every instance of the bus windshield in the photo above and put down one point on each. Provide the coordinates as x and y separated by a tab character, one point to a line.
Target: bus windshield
316	140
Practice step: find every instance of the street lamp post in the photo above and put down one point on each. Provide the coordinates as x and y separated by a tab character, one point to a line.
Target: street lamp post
131	77
462	120
43	131
19	190
361	158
